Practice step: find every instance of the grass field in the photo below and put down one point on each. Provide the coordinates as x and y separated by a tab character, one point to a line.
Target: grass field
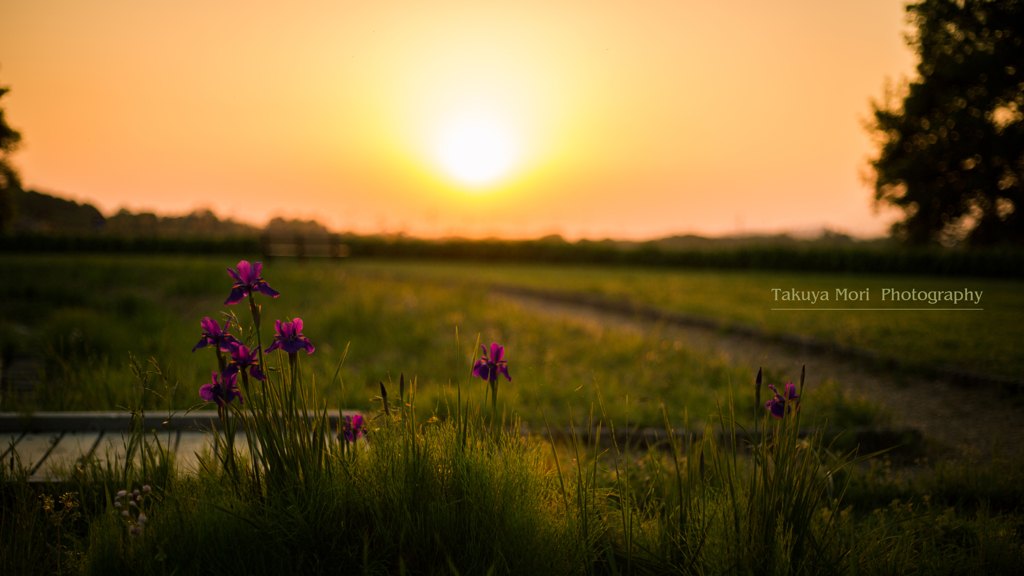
85	314
986	341
455	495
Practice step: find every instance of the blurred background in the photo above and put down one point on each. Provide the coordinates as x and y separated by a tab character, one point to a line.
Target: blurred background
455	118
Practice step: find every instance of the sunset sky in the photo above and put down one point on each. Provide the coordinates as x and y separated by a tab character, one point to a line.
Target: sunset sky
474	118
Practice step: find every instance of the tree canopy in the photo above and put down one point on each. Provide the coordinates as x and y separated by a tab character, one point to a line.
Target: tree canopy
952	141
9	181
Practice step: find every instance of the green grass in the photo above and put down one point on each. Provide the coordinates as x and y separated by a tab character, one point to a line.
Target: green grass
984	341
448	497
454	493
86	313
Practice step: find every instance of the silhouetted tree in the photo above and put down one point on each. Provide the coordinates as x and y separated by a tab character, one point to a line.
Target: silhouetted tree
9	181
952	142
39	212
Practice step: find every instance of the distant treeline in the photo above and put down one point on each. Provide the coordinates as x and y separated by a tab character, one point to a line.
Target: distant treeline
997	263
38	242
29	212
1007	263
44	223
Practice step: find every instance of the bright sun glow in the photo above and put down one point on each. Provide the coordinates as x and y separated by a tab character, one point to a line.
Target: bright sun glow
476	150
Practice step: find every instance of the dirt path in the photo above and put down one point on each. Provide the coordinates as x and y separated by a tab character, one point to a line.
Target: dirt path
954	420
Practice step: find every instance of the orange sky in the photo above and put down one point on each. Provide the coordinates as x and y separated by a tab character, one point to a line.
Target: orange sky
627	119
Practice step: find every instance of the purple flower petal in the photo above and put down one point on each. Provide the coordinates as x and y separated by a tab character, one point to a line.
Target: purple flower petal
210	325
266	289
239	353
491	363
214	335
206	392
780	406
289	337
256	373
203	343
222	390
245	272
236	296
481	369
791	391
247	280
353	427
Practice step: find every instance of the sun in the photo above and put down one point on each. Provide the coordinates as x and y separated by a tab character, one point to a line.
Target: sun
476	150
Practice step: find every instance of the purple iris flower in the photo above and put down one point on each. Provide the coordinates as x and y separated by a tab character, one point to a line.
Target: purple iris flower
780	406
489	368
353	427
213	334
222	390
242	358
248	280
289	337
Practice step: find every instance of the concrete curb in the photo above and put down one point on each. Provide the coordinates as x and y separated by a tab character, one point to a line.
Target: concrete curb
106	421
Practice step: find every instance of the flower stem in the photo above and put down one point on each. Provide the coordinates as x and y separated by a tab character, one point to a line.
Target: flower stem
493	381
256	321
293	361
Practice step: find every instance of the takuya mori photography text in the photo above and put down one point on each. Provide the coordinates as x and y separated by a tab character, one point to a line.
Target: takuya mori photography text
889	295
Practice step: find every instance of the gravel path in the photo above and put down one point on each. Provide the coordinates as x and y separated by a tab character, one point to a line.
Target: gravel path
955	421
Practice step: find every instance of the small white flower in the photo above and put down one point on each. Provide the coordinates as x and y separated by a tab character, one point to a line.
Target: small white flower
117	504
122	493
146	488
142	518
124	513
136	493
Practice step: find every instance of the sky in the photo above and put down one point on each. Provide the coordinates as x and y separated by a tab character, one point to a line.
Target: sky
589	119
